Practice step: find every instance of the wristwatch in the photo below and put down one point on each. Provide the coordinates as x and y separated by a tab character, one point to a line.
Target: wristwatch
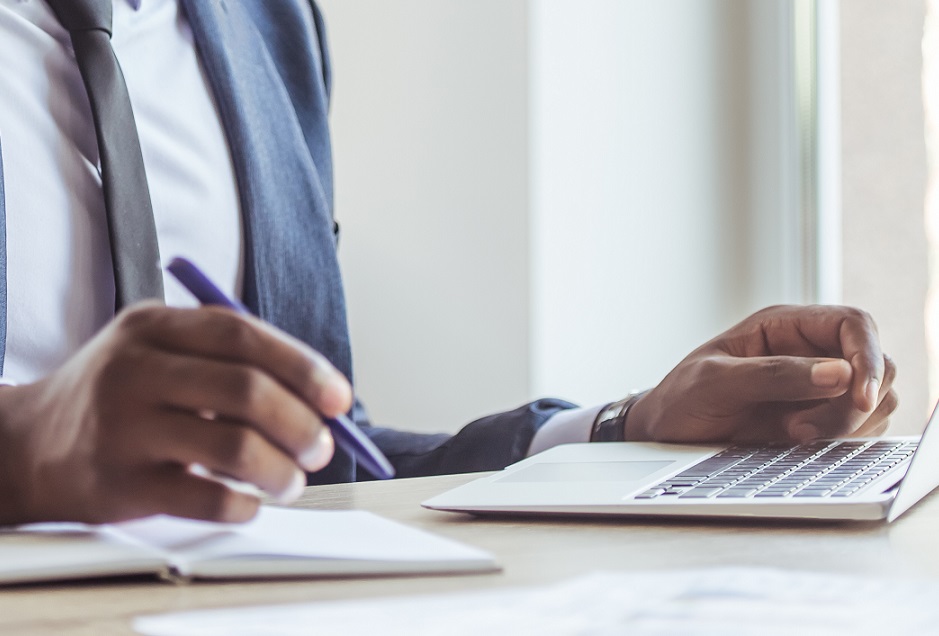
610	425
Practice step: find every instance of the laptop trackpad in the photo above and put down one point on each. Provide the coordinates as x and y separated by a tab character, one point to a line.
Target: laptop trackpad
585	471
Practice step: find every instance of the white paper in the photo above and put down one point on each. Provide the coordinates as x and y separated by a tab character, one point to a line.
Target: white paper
70	550
314	534
713	602
279	542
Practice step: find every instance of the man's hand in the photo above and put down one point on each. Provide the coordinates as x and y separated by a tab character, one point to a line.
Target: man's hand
785	373
113	433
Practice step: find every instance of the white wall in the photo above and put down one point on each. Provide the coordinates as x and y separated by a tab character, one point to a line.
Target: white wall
543	197
884	188
639	184
430	126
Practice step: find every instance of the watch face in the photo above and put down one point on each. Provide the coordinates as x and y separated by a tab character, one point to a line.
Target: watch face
614	410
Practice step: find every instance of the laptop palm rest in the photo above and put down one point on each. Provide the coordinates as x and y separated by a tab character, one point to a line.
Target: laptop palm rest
613	471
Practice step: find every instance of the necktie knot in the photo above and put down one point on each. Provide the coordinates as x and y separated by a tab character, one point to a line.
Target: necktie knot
83	15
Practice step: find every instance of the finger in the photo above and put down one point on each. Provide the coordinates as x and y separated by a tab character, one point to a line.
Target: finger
890	375
821	420
847	420
775	378
872	429
838	418
887	402
226	448
171	489
879	419
790	330
819	330
860	345
238	392
182	494
223	334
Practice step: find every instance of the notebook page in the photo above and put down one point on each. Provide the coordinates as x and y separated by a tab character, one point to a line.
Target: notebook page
339	535
56	551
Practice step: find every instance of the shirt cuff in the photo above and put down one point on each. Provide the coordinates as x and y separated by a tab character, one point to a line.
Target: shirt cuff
570	426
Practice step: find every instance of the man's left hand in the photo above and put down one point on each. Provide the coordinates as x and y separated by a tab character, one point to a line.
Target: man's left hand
785	373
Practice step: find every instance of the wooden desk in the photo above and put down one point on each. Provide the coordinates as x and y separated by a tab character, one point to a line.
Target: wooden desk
531	551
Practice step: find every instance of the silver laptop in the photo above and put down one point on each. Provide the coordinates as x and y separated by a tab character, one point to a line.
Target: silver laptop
848	479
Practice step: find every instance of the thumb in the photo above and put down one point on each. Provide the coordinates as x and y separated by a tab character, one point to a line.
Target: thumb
785	378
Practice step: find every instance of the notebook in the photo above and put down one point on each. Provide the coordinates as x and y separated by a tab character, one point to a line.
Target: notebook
278	543
847	479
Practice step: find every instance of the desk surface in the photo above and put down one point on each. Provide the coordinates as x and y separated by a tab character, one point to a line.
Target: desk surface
531	551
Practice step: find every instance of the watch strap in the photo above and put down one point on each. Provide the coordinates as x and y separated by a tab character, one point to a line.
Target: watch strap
610	424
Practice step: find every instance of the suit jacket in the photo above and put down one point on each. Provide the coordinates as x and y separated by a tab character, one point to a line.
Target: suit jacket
268	66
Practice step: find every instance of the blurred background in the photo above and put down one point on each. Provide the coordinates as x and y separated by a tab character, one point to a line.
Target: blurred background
565	197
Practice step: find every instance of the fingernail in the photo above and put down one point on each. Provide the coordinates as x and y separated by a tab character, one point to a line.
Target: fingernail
318	455
871	391
324	375
803	432
295	490
827	375
331	388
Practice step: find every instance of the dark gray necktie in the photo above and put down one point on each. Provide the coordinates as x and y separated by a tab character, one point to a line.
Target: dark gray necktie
131	229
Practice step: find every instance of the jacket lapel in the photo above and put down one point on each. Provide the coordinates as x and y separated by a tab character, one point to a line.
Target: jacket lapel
291	272
3	268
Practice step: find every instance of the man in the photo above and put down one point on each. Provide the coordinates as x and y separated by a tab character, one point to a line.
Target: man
110	418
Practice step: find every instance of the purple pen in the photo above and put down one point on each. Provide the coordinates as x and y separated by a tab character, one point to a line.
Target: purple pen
347	435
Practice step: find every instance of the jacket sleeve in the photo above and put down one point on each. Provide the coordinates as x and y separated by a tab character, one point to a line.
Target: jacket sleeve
489	443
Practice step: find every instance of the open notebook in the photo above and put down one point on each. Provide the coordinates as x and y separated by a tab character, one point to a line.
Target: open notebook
279	543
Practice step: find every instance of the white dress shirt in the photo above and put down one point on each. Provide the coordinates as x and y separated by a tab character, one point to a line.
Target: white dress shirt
60	286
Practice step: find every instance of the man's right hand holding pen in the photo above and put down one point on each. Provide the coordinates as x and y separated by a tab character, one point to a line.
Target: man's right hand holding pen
112	433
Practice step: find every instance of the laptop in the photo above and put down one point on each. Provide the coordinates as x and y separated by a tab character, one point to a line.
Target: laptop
840	479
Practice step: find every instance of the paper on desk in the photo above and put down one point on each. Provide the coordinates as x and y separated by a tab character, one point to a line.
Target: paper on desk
320	534
712	602
279	542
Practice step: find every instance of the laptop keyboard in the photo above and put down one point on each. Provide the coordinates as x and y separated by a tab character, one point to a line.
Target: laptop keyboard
818	469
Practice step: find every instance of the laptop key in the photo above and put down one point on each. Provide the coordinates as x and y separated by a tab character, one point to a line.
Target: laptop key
736	493
700	493
716	483
816	469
